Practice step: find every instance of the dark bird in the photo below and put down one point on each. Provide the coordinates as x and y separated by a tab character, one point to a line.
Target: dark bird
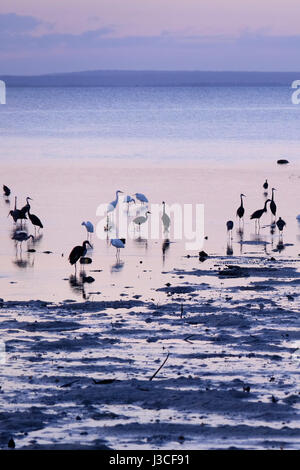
241	210
6	190
266	185
280	224
257	214
35	220
273	206
26	208
18	214
21	236
78	252
229	225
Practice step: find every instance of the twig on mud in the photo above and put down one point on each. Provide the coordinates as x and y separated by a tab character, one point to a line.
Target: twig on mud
187	339
160	367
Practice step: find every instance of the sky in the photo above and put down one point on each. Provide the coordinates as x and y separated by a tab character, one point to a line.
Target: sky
73	35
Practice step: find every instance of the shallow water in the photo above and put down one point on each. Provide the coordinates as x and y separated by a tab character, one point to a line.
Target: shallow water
74	194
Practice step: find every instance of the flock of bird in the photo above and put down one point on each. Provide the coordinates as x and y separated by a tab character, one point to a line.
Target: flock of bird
20	235
79	252
280	223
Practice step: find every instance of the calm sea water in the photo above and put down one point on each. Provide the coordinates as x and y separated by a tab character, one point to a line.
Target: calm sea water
71	149
204	124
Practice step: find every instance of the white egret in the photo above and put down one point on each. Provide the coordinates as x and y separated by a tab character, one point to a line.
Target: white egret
89	228
112	205
165	218
141	219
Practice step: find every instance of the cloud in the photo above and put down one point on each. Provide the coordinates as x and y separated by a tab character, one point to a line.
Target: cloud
14	24
21	37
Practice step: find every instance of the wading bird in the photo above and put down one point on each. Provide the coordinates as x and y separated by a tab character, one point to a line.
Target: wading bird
257	214
6	190
112	205
129	199
229	226
118	243
141	219
273	206
21	236
78	252
18	214
26	208
141	197
280	224
241	210
165	218
266	185
89	228
35	220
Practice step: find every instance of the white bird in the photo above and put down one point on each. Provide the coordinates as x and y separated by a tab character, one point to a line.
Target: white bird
141	219
112	205
118	243
165	218
89	227
141	197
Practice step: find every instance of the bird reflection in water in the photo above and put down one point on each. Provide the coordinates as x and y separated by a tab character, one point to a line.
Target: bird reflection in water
117	267
23	262
77	284
141	241
240	234
229	249
280	246
165	247
37	239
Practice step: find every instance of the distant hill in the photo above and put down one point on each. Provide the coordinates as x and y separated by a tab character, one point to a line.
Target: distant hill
116	78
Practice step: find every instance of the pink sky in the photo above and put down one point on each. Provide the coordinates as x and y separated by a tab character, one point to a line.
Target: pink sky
152	34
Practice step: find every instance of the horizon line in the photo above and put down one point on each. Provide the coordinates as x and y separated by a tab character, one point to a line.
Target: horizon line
150	71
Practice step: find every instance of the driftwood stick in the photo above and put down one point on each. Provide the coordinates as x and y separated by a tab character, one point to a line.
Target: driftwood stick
188	338
160	367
